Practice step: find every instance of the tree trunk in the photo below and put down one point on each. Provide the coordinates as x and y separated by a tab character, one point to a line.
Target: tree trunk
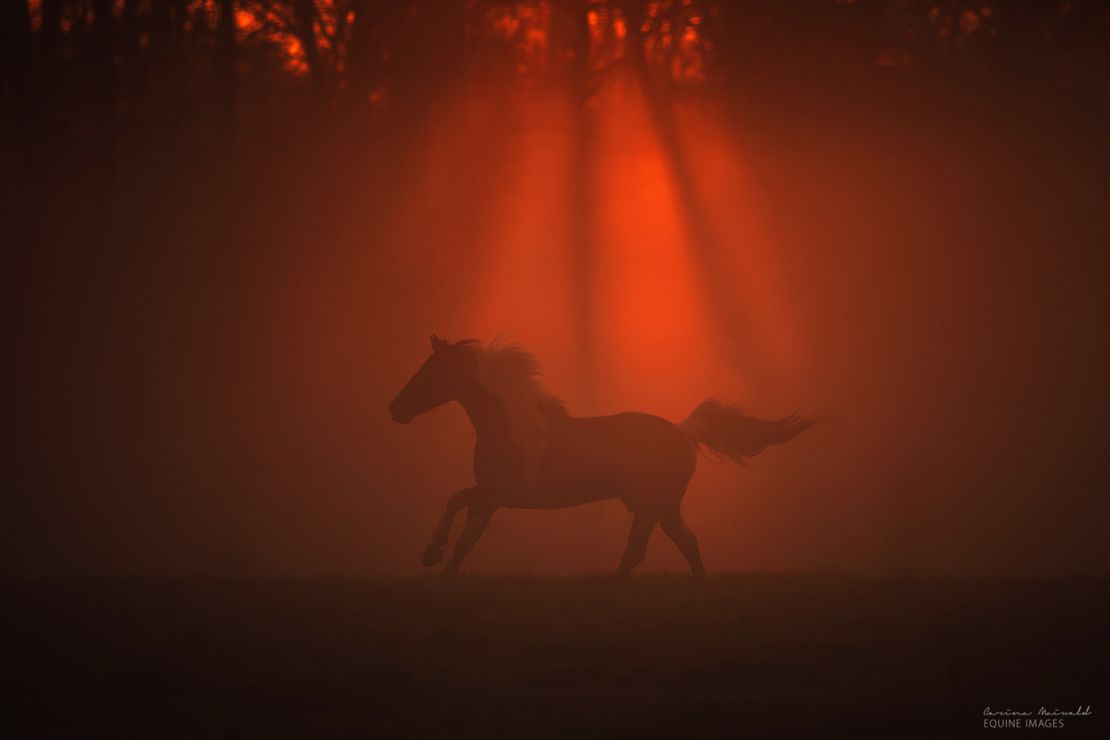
360	53
15	53
129	37
225	59
575	26
103	68
304	12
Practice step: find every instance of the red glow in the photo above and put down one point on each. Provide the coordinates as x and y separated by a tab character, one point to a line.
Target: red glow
653	331
657	345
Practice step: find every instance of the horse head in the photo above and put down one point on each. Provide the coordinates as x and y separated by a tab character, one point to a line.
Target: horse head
440	379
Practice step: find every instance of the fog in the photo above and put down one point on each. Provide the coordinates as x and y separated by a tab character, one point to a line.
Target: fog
204	333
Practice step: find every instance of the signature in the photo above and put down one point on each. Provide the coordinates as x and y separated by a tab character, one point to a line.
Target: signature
1081	711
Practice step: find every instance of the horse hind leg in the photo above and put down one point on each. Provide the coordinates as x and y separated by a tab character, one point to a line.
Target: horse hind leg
642	526
687	542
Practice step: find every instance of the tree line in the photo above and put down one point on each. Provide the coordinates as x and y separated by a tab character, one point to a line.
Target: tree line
121	57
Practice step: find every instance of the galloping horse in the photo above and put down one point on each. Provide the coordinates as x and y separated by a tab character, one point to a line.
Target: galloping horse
531	454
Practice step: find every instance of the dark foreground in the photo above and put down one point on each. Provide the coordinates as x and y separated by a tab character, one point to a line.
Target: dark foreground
655	656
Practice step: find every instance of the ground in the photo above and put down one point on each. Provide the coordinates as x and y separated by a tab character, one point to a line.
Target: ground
652	656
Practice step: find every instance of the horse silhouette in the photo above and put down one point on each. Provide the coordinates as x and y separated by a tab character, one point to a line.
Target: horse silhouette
530	453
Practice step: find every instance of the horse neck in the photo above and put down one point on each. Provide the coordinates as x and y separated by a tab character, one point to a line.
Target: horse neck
486	411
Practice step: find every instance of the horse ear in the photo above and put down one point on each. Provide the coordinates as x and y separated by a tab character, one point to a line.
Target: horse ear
437	343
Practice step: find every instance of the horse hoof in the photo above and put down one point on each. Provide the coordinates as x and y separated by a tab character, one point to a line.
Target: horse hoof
432	556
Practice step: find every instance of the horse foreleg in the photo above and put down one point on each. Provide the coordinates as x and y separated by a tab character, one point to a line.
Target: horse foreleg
477	517
638	537
433	553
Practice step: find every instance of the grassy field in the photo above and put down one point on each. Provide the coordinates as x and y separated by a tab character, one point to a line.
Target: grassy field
654	656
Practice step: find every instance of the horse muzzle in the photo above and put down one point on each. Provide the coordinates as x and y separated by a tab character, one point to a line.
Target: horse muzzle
397	415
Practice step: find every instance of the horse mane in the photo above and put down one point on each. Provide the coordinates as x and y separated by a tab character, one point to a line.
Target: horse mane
513	374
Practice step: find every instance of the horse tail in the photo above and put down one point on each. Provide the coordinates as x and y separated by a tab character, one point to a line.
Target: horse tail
731	434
